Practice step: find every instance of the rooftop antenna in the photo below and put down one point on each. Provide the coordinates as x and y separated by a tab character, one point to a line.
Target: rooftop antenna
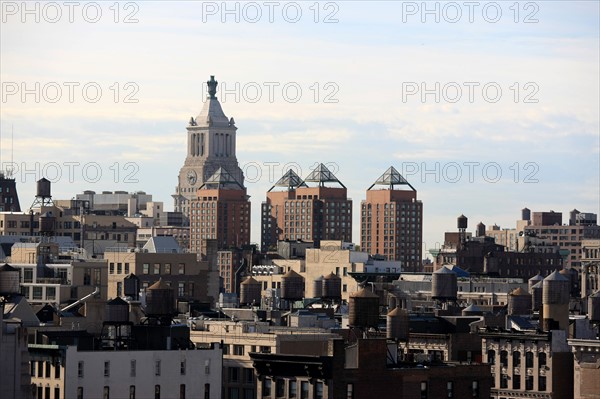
12	149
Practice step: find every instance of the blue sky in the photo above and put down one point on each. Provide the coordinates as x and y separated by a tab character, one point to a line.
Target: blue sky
365	118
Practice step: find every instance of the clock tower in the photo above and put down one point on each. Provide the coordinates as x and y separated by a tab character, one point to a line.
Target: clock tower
210	145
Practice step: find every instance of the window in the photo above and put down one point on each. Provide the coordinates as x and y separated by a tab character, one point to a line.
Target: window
238	350
119	268
106	394
157	367
156	268
475	388
146	268
248	375
47	392
529	383
516	382
233	393
517	359
182	367
206	391
503	381
266	387
423	389
182	391
542	359
132	368
157	392
181	268
56	370
79	392
304	390
450	389
107	369
234	374
48	371
56	393
37	292
80	370
529	359
350	391
319	390
504	358
292	389
167	268
491	357
111	268
132	392
280	388
126	268
542	383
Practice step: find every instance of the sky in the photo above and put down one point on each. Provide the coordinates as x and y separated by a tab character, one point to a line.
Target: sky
484	107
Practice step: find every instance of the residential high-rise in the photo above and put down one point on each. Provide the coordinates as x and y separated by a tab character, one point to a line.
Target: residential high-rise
220	211
210	145
306	213
392	221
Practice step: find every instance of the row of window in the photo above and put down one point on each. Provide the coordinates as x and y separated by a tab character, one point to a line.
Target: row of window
44	369
239	350
132	394
294	389
157	268
132	368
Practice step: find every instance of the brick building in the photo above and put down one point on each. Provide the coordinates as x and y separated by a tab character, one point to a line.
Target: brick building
392	221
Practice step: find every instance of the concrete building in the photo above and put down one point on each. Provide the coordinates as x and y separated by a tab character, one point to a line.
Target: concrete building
211	144
112	203
481	255
243	338
392	221
362	369
14	358
548	225
192	280
220	211
529	364
94	233
305	213
152	359
586	353
336	257
590	267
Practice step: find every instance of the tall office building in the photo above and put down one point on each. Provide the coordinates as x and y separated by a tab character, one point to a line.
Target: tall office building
392	221
220	211
302	212
210	145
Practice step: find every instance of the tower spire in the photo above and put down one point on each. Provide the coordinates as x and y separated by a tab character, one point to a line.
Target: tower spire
212	87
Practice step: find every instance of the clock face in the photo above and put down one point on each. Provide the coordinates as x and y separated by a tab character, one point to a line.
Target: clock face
191	177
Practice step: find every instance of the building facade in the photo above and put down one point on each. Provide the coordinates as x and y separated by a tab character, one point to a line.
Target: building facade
211	143
392	221
306	213
221	212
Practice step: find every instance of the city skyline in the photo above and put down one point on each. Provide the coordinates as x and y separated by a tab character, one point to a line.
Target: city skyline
369	62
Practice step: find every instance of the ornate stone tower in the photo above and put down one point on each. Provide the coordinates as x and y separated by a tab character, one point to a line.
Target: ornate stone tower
210	145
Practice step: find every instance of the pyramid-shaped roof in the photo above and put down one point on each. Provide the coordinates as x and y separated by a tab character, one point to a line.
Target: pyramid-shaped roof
212	114
222	179
290	180
322	175
390	178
